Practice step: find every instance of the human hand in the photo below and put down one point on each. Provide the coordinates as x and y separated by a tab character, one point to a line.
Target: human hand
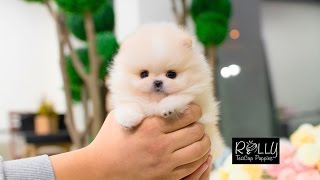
156	149
203	172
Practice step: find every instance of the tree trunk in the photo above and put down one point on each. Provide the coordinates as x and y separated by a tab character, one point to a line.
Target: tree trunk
84	100
210	52
78	139
69	118
94	83
181	18
184	14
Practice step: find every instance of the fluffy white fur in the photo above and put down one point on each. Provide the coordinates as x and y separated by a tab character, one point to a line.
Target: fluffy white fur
159	48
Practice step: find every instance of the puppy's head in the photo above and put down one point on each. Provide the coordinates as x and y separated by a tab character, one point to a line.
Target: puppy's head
156	61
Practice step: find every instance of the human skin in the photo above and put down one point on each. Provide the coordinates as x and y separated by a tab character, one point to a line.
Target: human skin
156	149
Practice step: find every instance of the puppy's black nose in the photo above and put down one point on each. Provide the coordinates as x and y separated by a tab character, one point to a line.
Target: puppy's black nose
157	84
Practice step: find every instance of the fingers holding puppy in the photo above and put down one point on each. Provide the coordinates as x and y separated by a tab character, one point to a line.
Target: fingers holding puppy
186	136
192	152
194	169
192	114
203	172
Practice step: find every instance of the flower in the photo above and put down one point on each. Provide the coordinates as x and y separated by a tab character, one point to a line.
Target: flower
239	174
298	166
308	175
255	171
305	134
230	171
308	154
286	150
318	165
299	160
274	170
287	174
222	174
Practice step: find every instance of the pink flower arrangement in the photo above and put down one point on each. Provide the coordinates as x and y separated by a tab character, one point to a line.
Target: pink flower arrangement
299	158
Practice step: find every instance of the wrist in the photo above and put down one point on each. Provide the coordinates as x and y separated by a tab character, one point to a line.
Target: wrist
77	164
90	163
93	162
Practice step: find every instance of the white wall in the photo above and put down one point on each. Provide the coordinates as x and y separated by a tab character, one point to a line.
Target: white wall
126	17
291	31
130	14
29	68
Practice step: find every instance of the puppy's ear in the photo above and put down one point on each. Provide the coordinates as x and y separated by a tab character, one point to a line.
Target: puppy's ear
187	42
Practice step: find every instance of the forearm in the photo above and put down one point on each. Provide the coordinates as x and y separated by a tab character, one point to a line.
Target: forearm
76	164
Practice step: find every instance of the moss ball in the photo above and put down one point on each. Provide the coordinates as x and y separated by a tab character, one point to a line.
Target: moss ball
211	28
103	21
222	7
107	45
80	6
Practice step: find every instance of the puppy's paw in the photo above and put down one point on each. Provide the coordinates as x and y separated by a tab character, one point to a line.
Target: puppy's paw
172	106
168	112
128	117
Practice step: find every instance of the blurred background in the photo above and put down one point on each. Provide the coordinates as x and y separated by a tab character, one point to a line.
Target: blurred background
265	55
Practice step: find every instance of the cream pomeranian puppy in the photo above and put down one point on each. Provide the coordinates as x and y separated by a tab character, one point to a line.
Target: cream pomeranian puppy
158	71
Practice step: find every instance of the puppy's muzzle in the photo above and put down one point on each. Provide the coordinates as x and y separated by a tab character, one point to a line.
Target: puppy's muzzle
157	85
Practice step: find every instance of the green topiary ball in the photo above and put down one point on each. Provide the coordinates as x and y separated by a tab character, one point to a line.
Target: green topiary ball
103	21
107	47
222	7
75	92
211	28
80	6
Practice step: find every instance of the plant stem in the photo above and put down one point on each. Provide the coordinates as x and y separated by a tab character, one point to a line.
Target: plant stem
210	52
94	83
69	118
181	19
88	120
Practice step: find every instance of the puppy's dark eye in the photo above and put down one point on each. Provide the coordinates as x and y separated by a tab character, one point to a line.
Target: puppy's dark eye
171	74
144	74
